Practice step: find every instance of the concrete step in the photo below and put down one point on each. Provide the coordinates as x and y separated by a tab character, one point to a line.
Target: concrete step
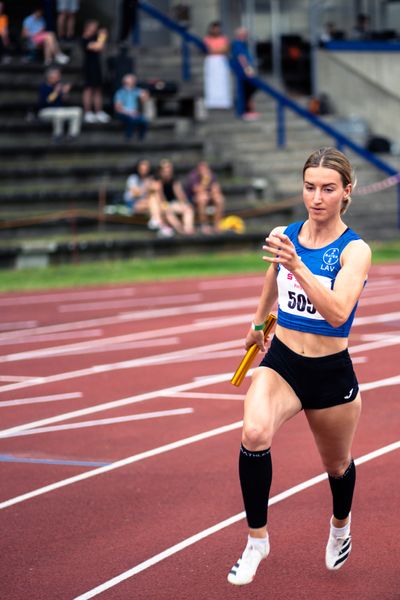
83	172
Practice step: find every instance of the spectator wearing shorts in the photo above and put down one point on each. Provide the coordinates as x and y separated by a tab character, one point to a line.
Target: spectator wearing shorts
66	13
93	41
34	32
142	196
178	211
204	191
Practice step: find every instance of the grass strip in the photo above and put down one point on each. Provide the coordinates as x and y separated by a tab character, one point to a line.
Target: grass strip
149	269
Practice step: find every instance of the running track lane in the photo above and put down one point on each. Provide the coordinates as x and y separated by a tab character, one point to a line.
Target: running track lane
83	506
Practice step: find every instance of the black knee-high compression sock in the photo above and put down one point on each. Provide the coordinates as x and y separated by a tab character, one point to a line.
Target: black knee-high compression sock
255	472
342	491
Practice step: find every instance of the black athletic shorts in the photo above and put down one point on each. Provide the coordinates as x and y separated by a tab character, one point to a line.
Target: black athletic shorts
318	382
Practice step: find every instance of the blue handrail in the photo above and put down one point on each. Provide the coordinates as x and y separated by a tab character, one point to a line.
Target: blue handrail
342	141
187	38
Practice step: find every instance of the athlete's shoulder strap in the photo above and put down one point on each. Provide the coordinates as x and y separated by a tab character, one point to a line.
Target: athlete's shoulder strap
293	229
348	236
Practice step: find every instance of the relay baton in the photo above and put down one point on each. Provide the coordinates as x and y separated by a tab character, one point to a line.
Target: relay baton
248	358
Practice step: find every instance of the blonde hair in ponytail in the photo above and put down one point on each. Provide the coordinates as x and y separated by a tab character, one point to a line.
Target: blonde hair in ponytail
331	158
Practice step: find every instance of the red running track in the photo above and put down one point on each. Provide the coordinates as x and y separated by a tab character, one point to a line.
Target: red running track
119	441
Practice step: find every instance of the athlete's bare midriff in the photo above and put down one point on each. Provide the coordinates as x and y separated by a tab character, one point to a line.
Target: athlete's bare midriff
310	344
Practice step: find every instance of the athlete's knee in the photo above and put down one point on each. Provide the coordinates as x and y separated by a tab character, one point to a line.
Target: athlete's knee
256	437
337	467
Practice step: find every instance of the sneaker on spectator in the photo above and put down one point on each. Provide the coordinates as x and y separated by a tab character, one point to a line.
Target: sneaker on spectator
89	117
102	117
251	116
166	232
62	59
154	224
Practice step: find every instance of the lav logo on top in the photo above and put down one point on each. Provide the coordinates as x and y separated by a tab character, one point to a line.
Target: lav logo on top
330	258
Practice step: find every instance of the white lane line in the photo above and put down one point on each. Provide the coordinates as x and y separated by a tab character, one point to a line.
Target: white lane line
359	359
111	421
372	385
383	299
296	489
199	325
130	337
11	325
66	295
159	313
116	403
15	378
39	399
121	463
373	319
370	337
244	282
161	449
55	337
205	396
126	346
383	343
126	364
134	302
168	357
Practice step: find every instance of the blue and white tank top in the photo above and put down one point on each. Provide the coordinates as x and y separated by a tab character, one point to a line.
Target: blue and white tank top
295	310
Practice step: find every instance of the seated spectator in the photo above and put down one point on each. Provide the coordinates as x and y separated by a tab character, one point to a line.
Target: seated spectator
203	190
361	30
66	10
34	32
51	106
330	33
174	198
142	196
93	41
4	38
127	107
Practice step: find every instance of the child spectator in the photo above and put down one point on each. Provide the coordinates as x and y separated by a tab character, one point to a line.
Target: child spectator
203	190
66	10
142	196
51	106
174	200
93	42
34	31
128	101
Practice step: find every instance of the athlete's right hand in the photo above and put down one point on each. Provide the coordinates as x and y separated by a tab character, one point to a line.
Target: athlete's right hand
255	337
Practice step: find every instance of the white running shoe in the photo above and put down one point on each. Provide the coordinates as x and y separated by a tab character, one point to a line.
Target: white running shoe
154	224
244	570
102	117
89	117
337	551
62	59
166	232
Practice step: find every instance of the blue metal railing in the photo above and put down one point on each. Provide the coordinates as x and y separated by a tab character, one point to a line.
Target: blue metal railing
341	140
187	38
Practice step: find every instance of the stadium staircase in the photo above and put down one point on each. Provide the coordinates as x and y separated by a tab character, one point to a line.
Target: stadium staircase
62	202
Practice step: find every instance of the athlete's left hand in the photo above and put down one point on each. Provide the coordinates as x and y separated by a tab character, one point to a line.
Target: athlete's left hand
282	250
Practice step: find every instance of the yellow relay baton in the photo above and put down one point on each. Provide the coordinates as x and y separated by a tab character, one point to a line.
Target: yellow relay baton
248	358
